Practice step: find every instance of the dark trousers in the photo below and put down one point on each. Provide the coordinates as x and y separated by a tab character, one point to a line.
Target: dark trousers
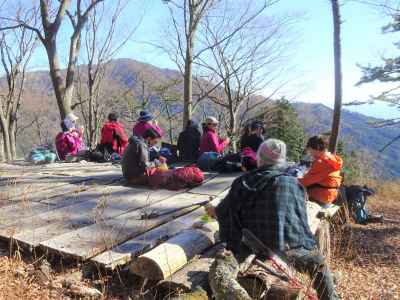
313	263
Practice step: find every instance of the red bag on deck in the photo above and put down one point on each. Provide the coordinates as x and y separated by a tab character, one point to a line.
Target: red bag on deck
160	179
187	177
176	179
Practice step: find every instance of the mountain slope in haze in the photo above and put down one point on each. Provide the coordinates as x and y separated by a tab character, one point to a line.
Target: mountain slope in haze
128	74
357	134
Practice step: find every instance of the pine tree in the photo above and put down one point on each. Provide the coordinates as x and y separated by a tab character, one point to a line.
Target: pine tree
388	72
283	123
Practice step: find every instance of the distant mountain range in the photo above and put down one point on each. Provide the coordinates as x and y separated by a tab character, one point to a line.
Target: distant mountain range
123	74
357	134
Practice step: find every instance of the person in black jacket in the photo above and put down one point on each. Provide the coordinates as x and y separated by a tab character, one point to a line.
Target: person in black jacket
189	142
253	136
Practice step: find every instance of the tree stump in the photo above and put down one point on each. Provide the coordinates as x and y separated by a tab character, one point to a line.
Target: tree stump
223	278
228	283
324	239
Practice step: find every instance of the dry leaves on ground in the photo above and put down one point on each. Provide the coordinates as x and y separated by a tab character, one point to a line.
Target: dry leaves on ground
369	261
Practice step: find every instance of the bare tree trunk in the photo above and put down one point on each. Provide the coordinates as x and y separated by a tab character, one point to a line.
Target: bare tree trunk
2	157
64	104
338	77
232	127
13	139
6	139
188	83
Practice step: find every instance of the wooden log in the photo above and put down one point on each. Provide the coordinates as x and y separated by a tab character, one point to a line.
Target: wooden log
284	291
193	275
169	257
124	253
323	239
315	213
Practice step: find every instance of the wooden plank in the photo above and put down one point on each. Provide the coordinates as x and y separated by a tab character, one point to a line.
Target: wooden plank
54	186
24	189
16	212
45	218
125	252
10	214
216	185
15	179
110	202
91	240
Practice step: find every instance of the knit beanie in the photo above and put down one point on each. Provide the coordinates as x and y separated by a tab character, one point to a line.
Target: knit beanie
271	152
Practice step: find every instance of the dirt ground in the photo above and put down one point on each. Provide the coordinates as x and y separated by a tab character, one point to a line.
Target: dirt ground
366	261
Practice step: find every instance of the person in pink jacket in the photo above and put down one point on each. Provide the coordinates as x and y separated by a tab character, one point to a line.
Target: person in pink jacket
144	123
70	140
210	142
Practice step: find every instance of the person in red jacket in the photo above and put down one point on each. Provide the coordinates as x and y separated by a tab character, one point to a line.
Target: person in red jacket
323	179
210	142
113	134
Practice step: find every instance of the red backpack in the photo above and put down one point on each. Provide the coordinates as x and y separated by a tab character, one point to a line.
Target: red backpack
176	179
187	177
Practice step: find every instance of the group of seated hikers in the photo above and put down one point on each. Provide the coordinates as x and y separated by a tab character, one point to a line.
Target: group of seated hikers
265	200
140	158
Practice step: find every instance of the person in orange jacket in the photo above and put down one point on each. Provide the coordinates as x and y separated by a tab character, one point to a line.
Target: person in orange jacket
323	179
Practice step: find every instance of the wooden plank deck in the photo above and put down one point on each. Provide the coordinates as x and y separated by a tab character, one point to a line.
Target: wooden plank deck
85	212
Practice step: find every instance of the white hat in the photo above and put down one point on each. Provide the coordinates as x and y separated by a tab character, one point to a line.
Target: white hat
69	121
211	120
271	152
71	116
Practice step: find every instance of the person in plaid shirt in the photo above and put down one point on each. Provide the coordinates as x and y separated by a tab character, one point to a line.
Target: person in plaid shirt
271	205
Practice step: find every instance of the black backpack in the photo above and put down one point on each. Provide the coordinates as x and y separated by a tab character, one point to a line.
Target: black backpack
229	163
356	196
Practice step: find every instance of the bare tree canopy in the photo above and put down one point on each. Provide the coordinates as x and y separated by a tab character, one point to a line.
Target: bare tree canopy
103	36
183	38
234	70
45	19
16	49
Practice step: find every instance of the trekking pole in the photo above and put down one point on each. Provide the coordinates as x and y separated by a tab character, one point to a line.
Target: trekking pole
155	214
258	247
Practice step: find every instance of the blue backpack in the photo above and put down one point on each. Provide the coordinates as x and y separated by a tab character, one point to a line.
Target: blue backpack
42	155
207	161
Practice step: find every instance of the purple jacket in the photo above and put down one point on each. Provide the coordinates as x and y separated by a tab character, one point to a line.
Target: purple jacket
140	128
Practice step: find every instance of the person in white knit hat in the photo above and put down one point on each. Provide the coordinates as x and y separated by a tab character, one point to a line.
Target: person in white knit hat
272	152
271	205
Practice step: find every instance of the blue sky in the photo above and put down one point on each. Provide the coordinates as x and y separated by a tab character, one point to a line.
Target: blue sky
312	53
